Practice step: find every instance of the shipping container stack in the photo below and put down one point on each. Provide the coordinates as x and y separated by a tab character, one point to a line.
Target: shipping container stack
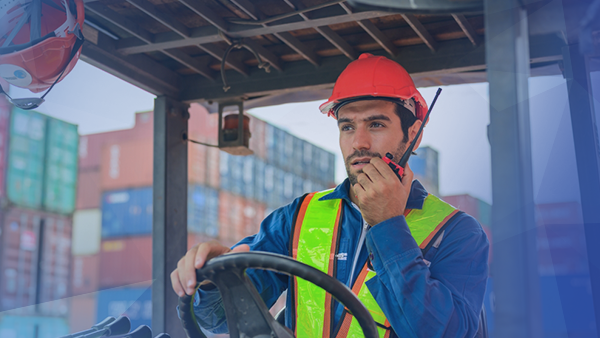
425	167
38	177
228	196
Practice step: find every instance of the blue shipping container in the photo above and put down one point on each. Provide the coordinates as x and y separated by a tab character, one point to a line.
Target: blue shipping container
236	166
259	181
135	303
203	210
225	171
297	167
288	188
270	143
287	154
127	212
247	182
32	327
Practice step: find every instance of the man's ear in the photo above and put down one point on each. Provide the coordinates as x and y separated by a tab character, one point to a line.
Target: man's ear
412	132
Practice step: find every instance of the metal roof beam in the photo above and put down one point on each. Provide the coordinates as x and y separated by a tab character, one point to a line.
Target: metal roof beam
286	37
161	17
144	35
201	9
466	27
453	56
203	35
418	27
326	32
374	32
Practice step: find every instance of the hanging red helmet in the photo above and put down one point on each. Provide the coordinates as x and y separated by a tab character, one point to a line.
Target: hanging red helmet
375	77
37	51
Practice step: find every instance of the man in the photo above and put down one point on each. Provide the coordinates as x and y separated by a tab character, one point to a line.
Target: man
372	229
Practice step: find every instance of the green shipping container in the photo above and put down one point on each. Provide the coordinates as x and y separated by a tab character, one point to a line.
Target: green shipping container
32	327
485	213
25	172
60	184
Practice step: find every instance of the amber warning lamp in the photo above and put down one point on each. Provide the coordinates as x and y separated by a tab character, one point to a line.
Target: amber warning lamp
234	130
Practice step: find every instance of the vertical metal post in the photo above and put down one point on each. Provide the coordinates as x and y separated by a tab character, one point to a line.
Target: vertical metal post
515	273
587	148
169	229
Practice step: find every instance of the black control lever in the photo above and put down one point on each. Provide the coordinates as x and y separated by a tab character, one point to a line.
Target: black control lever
142	331
163	335
94	328
120	326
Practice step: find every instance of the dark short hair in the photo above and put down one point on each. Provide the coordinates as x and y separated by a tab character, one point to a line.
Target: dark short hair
407	119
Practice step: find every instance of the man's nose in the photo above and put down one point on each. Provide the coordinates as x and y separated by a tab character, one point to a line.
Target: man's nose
362	140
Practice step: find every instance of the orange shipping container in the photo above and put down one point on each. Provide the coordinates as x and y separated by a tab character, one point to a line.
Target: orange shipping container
88	189
231	222
213	174
203	125
85	274
257	138
127	165
125	261
197	162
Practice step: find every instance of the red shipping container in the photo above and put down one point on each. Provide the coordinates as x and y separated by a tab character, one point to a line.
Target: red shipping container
466	203
231	222
253	214
125	261
82	313
21	262
213	178
90	146
204	126
559	213
126	165
4	124
85	274
257	138
197	162
88	189
194	239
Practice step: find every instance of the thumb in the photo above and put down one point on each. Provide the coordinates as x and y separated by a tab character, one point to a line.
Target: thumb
240	248
407	176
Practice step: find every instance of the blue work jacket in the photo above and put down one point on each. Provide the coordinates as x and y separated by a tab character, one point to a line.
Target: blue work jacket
443	299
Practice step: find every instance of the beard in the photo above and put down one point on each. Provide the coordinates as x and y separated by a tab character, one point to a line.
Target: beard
365	153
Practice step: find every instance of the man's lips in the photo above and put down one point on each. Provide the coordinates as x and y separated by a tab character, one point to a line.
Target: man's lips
361	161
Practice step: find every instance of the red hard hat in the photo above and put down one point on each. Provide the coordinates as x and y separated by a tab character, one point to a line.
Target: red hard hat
36	60
375	76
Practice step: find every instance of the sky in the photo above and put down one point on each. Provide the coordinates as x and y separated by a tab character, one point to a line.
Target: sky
99	102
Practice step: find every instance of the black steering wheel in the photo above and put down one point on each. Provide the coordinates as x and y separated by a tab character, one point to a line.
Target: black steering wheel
247	315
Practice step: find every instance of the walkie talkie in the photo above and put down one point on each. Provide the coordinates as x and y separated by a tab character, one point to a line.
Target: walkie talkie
398	168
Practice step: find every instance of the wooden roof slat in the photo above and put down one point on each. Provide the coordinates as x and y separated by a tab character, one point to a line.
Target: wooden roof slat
326	32
204	11
418	27
198	66
164	18
374	32
264	53
120	21
467	28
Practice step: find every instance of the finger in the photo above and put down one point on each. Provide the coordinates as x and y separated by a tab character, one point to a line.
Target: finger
364	180
207	251
407	177
177	287
189	272
384	169
372	172
240	248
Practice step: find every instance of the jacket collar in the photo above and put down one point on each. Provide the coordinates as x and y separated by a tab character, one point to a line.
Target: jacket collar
415	199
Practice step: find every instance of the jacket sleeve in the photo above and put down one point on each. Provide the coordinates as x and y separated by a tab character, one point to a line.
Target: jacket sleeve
442	300
273	237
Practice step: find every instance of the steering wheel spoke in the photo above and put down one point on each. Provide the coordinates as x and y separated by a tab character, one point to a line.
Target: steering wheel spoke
247	315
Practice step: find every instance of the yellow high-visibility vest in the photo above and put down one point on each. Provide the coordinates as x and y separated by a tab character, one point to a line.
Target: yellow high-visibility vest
315	239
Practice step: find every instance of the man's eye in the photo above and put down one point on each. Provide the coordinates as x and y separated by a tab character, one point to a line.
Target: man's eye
377	125
345	127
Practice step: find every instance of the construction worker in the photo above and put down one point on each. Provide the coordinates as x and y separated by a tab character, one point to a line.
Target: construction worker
372	229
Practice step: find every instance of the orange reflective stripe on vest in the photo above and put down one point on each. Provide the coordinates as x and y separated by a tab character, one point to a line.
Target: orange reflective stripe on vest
315	233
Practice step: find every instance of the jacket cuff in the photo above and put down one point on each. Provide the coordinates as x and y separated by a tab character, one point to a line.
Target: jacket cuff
389	241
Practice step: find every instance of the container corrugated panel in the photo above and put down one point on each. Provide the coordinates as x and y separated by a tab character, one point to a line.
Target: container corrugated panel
87	231
127	165
213	162
288	187
325	165
27	149
259	181
203	210
88	189
236	167
61	167
85	274
425	167
275	195
253	214
197	162
82	312
32	327
203	124
127	212
4	123
466	203
270	143
287	157
562	249
225	172
194	239
19	266
231	225
298	186
125	261
257	139
485	213
90	146
135	303
248	177
330	177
